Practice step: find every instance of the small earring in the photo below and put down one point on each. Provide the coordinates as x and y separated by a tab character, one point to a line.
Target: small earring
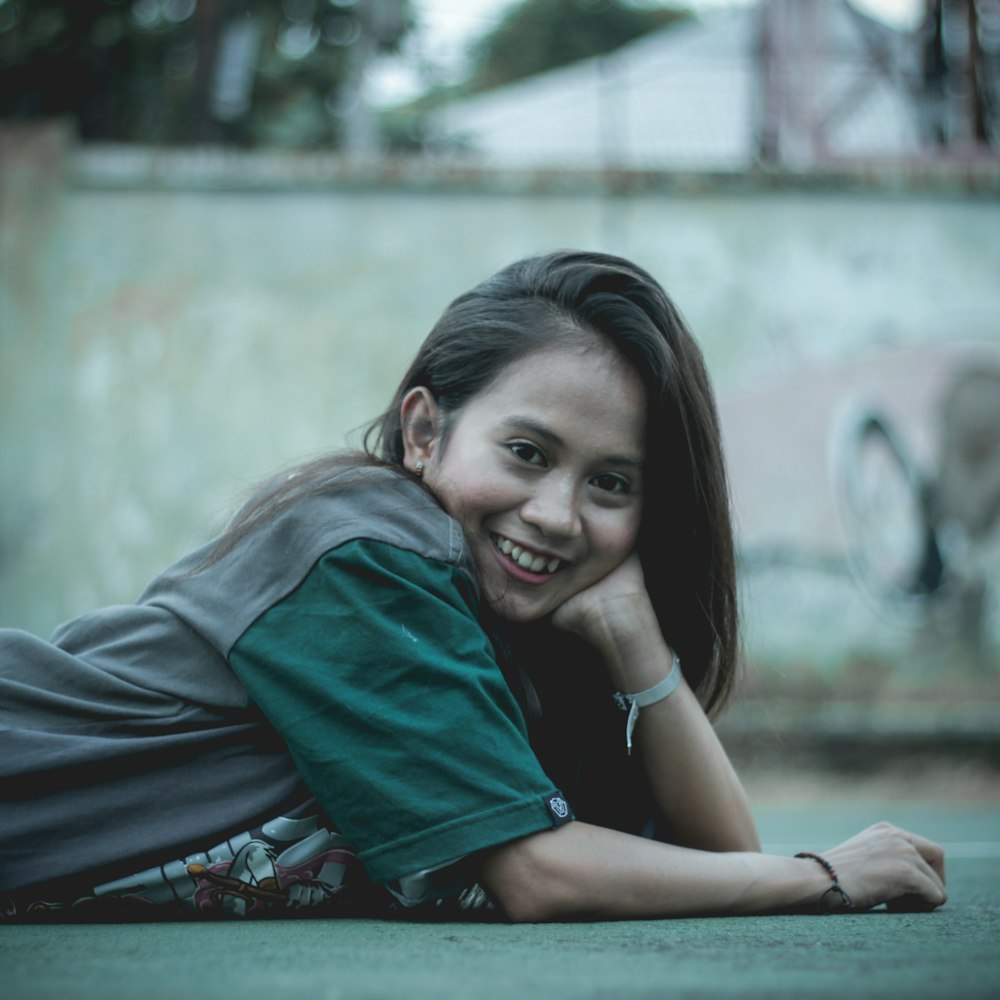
419	470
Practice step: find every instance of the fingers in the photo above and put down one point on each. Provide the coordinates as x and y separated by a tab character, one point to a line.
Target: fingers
929	891
932	853
929	868
933	856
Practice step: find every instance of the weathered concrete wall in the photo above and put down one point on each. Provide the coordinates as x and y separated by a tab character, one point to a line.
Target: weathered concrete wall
163	347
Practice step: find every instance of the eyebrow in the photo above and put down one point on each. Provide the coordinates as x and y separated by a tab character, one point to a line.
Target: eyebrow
540	430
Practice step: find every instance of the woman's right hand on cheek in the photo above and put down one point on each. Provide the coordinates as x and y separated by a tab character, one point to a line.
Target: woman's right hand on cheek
611	604
885	864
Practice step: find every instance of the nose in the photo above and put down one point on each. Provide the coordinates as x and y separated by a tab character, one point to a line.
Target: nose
554	508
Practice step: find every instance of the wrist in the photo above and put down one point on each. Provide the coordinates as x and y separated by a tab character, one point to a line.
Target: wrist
782	885
632	701
627	635
834	898
611	623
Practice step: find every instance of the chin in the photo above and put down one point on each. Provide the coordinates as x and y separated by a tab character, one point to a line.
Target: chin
517	612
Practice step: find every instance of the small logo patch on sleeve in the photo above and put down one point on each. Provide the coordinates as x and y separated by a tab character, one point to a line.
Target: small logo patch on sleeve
558	809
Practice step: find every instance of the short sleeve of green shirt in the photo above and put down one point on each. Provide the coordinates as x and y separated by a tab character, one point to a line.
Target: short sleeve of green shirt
378	676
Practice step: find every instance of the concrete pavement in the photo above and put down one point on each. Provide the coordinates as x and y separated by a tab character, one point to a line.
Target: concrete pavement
950	953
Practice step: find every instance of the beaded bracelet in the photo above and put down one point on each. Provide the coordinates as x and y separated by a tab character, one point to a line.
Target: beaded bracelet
836	888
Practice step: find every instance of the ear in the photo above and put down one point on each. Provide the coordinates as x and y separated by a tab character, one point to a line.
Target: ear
421	418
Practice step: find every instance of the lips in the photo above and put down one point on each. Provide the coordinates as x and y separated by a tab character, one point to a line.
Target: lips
526	559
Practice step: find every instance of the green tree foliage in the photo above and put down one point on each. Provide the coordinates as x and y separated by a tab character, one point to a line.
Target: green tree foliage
538	35
182	71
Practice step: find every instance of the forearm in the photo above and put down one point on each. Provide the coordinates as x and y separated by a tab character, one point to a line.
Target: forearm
586	872
693	781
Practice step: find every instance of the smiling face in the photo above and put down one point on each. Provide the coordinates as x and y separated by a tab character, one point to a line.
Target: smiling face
543	470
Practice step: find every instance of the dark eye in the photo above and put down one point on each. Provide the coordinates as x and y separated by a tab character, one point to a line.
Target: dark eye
612	483
527	452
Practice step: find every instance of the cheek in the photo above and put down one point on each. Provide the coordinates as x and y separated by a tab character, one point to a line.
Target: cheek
616	539
467	494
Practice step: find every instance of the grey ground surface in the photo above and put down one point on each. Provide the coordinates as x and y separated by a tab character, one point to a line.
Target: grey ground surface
953	952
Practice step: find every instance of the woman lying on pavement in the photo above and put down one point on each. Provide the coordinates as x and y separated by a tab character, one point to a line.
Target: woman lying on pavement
472	666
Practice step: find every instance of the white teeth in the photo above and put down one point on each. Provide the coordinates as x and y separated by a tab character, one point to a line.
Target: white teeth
524	559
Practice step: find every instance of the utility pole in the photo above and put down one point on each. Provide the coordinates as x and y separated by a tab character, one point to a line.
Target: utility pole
382	24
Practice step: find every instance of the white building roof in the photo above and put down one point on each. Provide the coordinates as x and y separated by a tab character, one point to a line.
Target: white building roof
688	98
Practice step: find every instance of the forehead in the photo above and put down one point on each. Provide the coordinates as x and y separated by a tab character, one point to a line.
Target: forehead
579	391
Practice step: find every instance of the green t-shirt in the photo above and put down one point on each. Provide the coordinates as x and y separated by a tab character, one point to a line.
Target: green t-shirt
379	677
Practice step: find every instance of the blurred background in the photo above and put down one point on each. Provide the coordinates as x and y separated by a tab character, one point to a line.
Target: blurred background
226	225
